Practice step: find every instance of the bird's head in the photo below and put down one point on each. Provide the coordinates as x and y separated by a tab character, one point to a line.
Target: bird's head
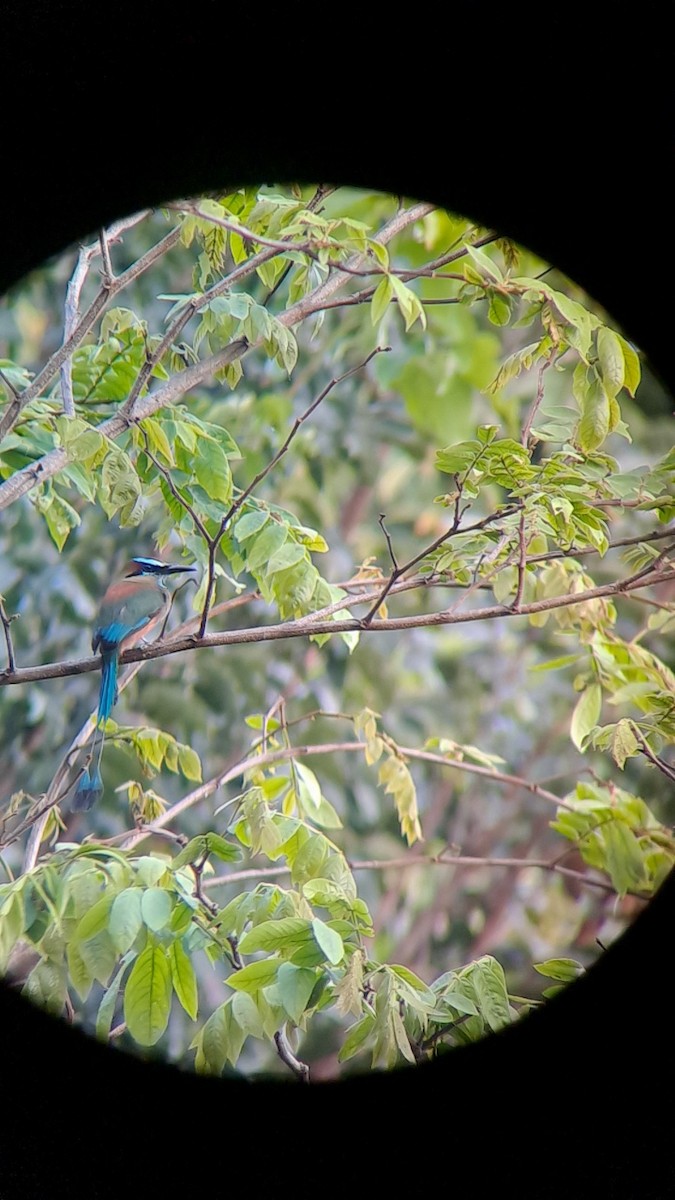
153	566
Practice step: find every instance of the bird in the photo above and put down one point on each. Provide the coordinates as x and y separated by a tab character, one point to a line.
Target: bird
130	608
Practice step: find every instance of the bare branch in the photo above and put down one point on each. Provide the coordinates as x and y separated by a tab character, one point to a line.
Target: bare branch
71	314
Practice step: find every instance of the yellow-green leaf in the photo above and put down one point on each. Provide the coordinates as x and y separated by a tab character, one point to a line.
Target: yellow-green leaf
586	714
147	996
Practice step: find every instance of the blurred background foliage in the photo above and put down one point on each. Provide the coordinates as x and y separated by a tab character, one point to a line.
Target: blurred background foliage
368	450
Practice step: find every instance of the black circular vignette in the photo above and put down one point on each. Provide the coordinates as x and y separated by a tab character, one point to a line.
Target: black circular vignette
563	1103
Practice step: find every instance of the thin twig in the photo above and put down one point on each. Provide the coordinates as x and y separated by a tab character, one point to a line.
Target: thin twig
166	476
656	761
6	623
522	555
525	436
398	571
236	505
8	383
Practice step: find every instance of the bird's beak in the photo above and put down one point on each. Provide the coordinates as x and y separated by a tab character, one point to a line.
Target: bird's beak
171	570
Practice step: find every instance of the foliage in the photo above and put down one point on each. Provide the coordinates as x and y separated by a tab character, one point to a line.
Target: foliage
292	377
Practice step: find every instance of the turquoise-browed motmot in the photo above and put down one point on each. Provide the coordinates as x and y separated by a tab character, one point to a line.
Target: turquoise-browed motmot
128	611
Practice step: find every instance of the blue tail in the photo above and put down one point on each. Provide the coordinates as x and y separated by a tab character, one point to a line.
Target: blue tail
108	693
90	786
88	791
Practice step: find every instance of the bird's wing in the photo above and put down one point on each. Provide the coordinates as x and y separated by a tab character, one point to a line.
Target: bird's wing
127	614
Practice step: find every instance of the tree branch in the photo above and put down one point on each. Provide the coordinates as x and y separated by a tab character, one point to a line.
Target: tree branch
288	753
14	410
306	626
51	463
409	861
288	1057
654	759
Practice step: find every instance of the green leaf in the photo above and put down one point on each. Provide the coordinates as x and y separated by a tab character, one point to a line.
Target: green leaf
60	517
288	555
159	442
400	1036
94	942
578	320
295	985
106	1009
196	848
586	714
79	974
247	1014
413	981
408	302
553	664
632	369
460	1003
611	357
125	919
565	969
47	985
453	460
356	1037
156	905
348	991
285	934
249	524
220	1041
265	544
625	863
328	941
255	976
189	763
490	987
212	472
486	267
308	787
382	297
325	815
499	308
222	849
147	996
183	979
624	743
595	418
